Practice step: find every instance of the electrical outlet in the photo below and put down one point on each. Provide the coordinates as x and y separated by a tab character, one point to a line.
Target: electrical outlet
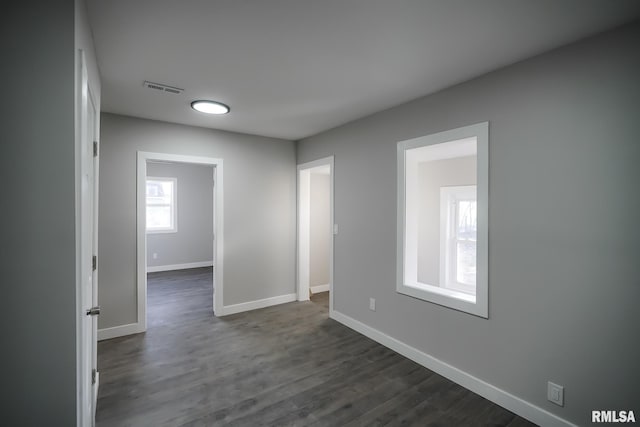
335	229
555	393
372	304
155	255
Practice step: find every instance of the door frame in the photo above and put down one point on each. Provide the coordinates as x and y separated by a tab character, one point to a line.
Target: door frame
96	199
303	231
86	390
218	227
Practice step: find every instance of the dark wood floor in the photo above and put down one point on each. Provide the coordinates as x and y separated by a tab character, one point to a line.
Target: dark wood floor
283	365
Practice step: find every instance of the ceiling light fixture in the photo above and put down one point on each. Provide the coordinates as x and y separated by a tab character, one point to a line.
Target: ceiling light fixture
210	107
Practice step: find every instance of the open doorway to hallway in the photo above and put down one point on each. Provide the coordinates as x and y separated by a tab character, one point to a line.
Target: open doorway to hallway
315	232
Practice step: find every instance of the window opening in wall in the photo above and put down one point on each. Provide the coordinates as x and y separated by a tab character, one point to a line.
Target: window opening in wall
443	218
161	205
458	237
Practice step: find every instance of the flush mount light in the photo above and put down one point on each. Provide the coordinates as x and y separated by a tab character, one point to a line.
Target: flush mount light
210	107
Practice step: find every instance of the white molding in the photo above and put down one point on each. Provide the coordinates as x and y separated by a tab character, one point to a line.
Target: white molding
120	331
254	305
302	283
86	131
303	242
136	328
490	392
218	226
171	267
80	85
320	288
407	222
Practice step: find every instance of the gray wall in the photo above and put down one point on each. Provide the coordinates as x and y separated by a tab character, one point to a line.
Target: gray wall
37	167
319	219
193	242
259	209
432	176
563	226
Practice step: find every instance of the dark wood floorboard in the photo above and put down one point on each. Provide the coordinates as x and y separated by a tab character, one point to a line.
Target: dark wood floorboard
288	365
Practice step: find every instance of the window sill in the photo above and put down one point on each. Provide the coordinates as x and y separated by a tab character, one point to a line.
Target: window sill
443	291
445	297
161	231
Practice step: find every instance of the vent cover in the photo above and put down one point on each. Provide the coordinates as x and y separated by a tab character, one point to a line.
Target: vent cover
162	88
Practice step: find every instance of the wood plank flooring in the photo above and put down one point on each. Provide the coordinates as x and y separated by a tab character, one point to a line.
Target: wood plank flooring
288	365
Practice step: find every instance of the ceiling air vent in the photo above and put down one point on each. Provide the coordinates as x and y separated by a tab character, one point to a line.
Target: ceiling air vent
162	88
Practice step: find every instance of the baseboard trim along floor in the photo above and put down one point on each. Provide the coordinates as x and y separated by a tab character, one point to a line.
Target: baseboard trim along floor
119	331
254	305
490	392
172	267
319	288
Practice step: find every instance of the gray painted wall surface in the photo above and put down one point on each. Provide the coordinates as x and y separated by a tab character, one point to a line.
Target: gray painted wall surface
193	242
37	165
319	219
563	226
432	176
259	209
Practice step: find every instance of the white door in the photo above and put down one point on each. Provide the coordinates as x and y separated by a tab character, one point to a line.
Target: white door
88	239
93	129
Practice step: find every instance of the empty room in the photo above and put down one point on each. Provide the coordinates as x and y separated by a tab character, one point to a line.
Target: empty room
327	213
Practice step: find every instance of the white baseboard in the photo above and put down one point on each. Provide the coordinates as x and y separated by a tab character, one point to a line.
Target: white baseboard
319	288
513	403
136	328
179	266
254	305
119	331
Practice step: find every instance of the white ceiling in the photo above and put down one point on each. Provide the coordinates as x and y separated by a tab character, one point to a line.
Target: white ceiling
294	68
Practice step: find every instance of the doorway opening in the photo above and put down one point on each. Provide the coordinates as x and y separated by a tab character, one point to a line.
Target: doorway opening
179	227
315	232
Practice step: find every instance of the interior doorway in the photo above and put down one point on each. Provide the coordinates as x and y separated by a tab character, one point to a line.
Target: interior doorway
163	218
316	229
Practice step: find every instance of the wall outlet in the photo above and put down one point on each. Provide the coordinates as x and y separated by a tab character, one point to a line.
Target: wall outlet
335	229
155	255
555	393
372	304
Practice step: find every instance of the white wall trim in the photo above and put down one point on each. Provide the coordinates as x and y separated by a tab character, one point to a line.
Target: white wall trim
254	305
80	114
459	141
119	331
218	227
302	232
513	403
319	288
171	267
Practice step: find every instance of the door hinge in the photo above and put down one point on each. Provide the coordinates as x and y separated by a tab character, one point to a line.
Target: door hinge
95	148
93	376
94	263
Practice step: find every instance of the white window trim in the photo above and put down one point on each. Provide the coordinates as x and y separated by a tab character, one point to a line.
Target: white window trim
406	270
174	206
447	250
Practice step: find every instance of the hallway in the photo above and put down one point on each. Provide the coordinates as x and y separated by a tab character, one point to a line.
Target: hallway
282	365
